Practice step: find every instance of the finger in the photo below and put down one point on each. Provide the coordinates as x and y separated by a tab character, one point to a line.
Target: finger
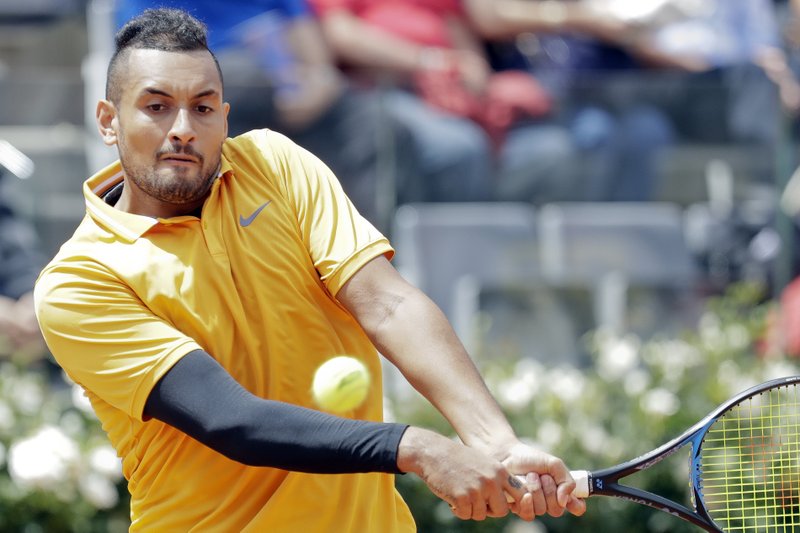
462	509
514	488
565	490
498	499
549	488
524	508
479	508
534	484
576	506
560	474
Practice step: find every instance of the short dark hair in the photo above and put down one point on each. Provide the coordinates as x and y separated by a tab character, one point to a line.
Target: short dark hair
165	29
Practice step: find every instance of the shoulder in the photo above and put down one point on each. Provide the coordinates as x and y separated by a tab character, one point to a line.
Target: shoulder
82	257
265	146
270	153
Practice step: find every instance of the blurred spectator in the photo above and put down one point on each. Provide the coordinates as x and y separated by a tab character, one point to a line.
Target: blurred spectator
480	134
732	95
279	74
573	48
20	263
784	66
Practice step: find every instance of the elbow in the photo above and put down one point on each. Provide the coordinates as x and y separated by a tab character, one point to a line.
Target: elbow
228	438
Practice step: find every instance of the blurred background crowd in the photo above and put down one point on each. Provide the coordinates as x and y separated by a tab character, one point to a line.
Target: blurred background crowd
545	168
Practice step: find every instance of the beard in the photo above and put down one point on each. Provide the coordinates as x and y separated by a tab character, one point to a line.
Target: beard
172	185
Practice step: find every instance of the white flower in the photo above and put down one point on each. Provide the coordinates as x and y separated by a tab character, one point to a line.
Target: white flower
549	434
42	460
567	383
674	358
593	438
779	369
710	331
517	392
27	395
7	417
737	336
636	382
80	400
732	377
72	424
98	490
660	402
617	357
514	394
104	460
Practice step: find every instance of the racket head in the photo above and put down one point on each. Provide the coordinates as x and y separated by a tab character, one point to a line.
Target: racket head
746	464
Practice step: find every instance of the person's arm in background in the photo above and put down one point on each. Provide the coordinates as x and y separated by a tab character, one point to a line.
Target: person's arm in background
505	19
474	66
348	37
18	323
20	265
319	81
389	56
773	58
414	335
501	19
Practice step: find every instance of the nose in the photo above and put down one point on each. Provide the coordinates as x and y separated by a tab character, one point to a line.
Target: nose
182	129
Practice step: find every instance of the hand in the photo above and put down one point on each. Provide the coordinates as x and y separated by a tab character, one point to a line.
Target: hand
474	484
473	70
469	68
313	91
19	325
547	480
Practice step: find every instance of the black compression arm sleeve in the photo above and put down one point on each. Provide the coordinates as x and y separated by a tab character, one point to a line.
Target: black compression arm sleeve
198	397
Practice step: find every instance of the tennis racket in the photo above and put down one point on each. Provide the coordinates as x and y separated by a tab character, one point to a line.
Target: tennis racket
744	465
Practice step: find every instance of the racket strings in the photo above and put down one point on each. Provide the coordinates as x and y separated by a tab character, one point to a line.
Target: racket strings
750	464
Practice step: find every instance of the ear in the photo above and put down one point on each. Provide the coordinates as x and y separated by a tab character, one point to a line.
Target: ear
106	116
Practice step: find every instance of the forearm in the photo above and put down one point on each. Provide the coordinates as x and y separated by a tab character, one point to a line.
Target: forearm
348	35
199	398
505	19
417	338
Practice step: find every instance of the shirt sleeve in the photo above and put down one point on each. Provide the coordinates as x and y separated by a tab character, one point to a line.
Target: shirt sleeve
339	240
104	337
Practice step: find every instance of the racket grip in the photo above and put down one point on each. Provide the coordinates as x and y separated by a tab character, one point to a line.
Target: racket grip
581	478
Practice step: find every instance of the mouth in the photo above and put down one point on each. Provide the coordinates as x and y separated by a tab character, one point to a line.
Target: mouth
179	159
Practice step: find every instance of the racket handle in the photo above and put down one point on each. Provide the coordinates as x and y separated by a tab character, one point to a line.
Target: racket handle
581	478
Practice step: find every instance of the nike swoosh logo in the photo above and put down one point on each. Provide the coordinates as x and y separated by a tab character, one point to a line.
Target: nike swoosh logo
244	222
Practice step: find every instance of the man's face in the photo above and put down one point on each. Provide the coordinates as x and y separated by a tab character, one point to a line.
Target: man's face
169	126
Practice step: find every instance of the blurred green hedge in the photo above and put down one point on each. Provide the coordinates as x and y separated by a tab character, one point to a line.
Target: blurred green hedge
58	472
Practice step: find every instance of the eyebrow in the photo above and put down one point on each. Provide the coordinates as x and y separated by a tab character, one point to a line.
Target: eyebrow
202	94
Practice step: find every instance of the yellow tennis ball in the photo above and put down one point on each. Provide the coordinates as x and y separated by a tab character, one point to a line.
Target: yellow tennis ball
340	384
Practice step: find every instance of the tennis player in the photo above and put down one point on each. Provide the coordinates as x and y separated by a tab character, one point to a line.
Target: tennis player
209	279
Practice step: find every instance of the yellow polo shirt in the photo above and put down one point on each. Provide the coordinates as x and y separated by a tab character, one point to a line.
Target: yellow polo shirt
252	282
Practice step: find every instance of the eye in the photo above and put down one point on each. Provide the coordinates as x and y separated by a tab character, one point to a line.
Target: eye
156	107
204	109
